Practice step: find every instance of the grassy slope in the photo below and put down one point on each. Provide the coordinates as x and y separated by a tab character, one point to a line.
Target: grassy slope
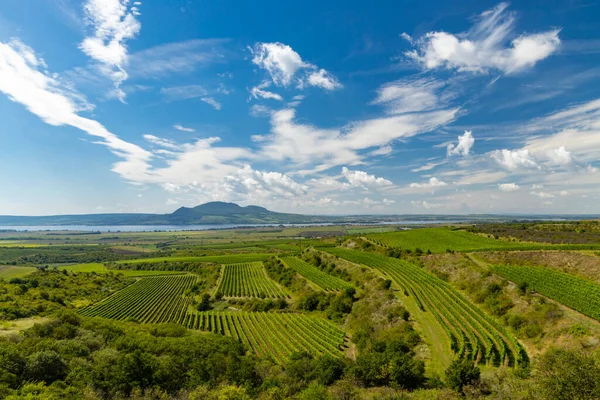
9	271
440	356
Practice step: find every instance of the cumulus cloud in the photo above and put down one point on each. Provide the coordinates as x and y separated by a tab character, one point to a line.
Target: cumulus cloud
560	156
515	160
284	64
508	187
486	46
361	178
465	142
433	182
112	23
258	185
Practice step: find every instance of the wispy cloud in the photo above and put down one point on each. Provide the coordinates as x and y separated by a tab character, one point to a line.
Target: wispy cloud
183	128
43	95
112	23
177	58
212	102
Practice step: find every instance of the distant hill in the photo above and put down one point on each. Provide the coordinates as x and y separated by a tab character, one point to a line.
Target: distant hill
221	213
216	212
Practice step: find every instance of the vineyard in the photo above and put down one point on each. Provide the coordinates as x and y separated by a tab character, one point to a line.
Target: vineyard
149	300
438	240
273	335
472	333
248	280
220	259
315	275
579	294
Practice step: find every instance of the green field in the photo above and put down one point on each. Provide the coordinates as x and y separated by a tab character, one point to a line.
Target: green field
248	280
220	259
577	293
272	335
315	275
10	271
148	300
472	334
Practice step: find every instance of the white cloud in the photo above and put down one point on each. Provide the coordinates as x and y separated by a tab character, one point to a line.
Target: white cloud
508	187
327	184
410	95
424	204
560	156
176	58
259	92
563	193
183	128
44	96
283	64
212	102
259	110
279	59
166	143
432	183
171	202
324	80
382	151
361	178
258	185
542	195
427	167
516	160
465	142
112	24
484	46
177	93
304	144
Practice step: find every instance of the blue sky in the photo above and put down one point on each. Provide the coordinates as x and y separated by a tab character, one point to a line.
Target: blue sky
328	107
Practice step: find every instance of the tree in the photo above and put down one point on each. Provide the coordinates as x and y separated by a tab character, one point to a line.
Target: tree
328	369
568	374
204	303
462	373
12	365
314	391
46	366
